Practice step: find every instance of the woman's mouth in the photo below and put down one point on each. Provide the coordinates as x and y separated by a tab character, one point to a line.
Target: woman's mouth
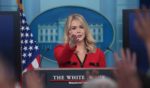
79	36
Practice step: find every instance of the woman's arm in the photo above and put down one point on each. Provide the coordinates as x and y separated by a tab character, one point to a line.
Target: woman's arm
63	53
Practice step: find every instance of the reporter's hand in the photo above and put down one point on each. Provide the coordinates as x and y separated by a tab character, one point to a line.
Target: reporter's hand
142	27
126	70
33	80
142	24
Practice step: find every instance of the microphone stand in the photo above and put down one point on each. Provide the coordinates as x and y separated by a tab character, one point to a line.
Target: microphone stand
42	55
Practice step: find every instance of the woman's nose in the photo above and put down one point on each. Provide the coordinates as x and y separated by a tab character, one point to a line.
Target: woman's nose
78	30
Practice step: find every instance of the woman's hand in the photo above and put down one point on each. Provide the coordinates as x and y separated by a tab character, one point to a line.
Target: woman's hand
73	40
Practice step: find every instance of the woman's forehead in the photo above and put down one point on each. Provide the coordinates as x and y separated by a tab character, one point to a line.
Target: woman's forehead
75	22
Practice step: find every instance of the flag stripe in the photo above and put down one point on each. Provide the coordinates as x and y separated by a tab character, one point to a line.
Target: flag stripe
35	64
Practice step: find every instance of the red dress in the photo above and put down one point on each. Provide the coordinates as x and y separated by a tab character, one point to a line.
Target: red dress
66	58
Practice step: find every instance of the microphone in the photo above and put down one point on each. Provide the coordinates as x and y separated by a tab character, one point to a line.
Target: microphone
44	53
47	49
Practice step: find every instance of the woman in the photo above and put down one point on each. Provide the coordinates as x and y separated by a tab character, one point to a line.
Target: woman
79	50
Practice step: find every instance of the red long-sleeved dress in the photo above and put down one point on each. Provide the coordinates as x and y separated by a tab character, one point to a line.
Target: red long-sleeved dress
66	58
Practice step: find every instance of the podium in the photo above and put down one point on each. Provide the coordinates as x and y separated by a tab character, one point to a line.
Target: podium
72	77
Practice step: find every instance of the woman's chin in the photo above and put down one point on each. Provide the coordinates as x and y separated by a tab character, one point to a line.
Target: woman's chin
80	40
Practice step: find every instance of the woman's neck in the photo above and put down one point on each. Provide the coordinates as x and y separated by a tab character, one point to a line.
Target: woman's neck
81	47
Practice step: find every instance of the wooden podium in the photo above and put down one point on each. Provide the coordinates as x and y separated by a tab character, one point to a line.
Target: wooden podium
72	77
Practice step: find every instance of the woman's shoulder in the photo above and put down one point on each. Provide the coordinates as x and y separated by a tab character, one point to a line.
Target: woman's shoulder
59	46
98	50
62	46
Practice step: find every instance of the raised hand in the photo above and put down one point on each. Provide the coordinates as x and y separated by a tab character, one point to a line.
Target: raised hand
142	24
126	71
142	27
33	80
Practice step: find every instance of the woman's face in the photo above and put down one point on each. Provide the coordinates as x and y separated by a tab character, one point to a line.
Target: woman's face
77	29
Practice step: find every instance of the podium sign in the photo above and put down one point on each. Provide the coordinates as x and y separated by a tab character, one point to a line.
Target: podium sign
72	78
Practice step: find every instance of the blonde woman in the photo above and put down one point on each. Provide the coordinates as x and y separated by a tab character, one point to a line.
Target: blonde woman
78	50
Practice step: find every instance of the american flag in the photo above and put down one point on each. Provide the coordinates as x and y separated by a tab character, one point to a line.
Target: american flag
29	49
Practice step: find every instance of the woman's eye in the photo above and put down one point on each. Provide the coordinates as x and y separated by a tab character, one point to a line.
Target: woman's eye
81	27
73	28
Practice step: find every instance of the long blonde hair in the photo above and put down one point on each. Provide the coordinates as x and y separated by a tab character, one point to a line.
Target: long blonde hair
89	40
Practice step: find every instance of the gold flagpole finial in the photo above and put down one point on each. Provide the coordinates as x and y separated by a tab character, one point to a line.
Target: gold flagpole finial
20	6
